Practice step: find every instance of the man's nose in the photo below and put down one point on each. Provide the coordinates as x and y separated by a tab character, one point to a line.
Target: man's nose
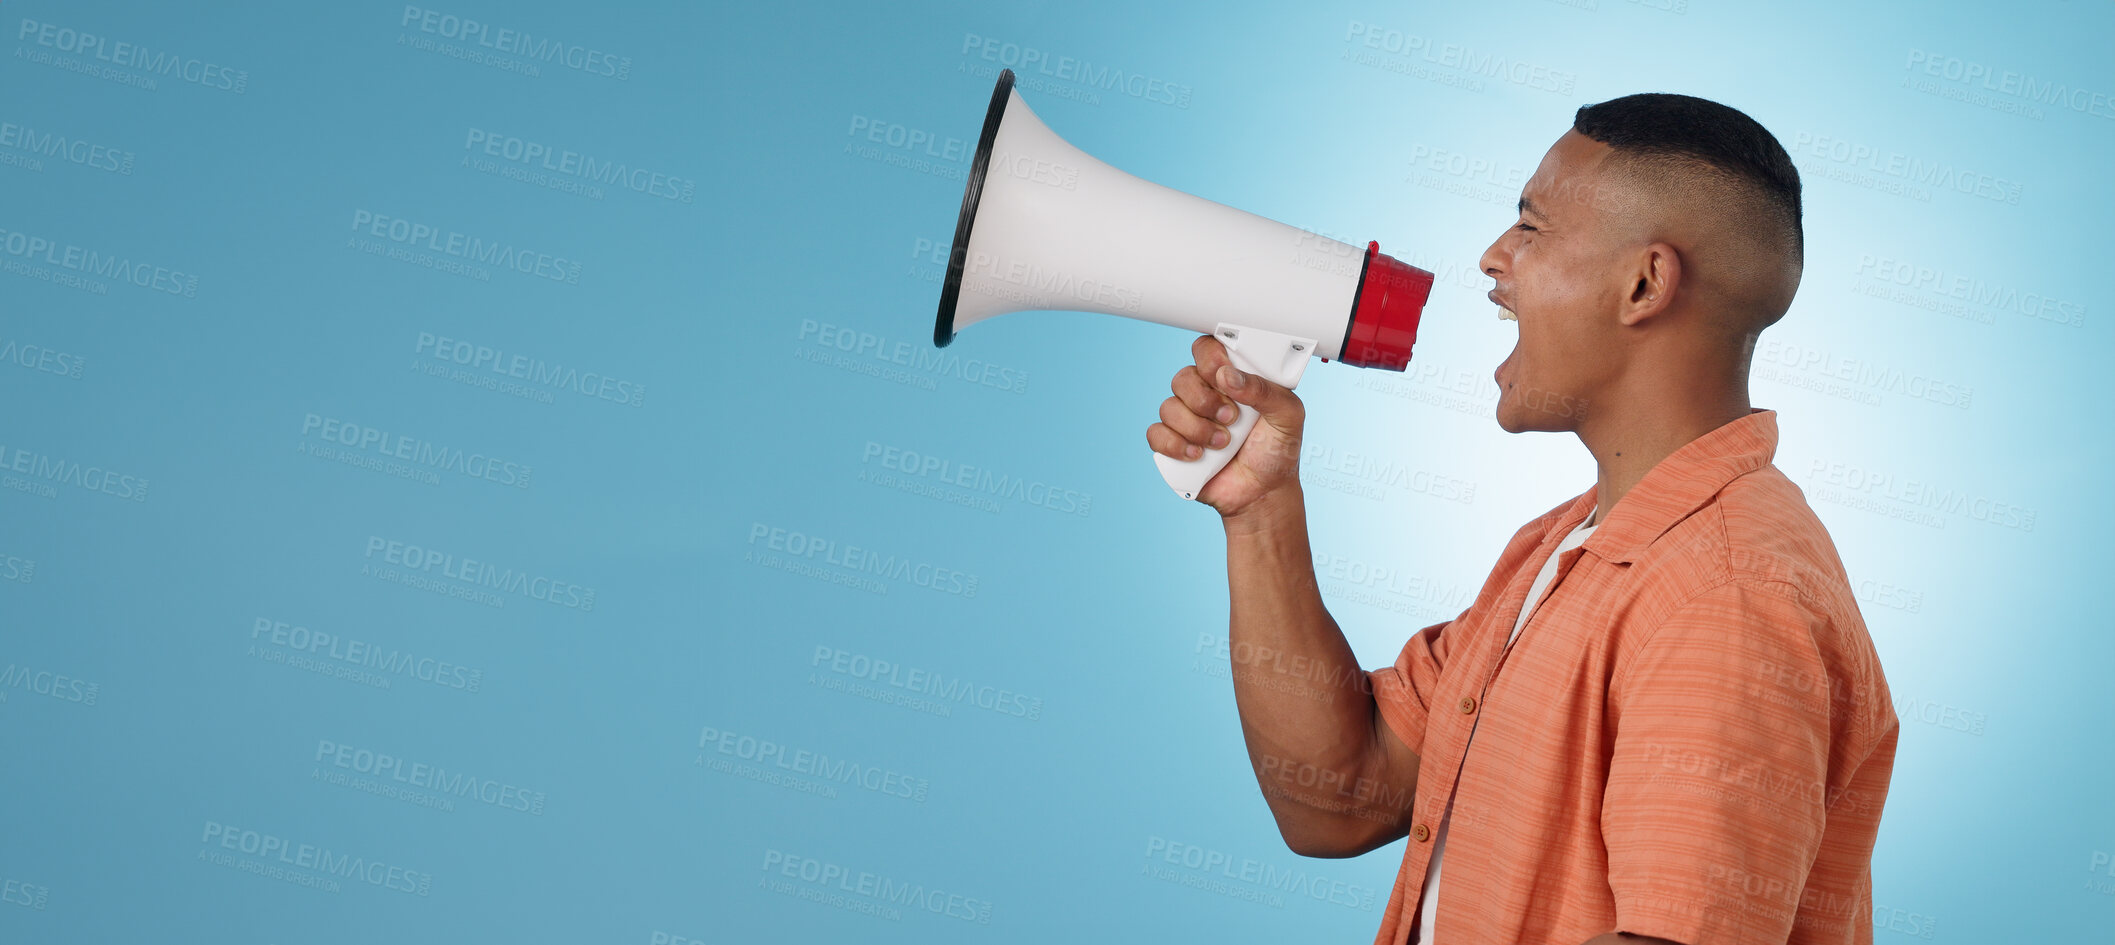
1493	261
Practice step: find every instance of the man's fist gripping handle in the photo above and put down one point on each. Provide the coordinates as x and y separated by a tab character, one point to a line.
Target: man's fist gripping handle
1277	357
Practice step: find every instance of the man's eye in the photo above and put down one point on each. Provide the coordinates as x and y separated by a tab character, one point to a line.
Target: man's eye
1523	227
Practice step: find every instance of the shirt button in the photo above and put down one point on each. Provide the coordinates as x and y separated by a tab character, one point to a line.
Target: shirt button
1420	833
1468	704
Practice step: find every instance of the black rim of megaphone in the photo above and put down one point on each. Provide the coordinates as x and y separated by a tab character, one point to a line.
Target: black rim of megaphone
944	323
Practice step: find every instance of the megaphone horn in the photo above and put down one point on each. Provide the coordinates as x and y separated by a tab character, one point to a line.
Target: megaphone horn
1046	226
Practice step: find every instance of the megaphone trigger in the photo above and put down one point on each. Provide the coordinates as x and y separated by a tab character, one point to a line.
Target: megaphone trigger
1275	356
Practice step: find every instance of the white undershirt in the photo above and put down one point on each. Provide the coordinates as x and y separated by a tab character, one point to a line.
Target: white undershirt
1428	906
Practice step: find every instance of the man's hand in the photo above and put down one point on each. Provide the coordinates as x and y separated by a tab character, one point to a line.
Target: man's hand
1196	418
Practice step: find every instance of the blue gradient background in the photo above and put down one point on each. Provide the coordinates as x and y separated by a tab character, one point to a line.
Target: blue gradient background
1106	619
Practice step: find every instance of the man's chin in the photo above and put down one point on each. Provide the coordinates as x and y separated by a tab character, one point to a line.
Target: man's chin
1513	418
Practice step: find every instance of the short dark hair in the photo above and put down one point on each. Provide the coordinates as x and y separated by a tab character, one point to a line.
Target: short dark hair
1687	129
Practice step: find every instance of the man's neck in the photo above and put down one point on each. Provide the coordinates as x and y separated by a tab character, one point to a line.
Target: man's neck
1628	442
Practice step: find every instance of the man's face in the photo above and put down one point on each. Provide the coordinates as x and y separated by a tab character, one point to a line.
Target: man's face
1556	269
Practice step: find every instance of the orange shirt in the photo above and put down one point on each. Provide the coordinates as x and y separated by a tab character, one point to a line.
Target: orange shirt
1691	738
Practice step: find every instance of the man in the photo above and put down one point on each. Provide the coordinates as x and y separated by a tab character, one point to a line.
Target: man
1662	719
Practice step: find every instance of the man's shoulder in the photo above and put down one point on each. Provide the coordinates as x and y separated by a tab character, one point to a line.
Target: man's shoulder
1771	534
1758	531
1759	534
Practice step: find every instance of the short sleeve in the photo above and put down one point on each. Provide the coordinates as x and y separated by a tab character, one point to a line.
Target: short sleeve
1715	800
1405	689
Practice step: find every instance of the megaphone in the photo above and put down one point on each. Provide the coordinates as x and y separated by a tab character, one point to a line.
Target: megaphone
1046	226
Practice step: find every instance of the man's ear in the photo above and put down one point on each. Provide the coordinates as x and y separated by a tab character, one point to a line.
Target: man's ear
1655	274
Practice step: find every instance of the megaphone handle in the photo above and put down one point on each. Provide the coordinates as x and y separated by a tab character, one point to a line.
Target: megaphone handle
1281	358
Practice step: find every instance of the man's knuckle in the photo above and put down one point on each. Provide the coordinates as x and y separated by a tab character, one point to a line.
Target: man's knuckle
1189	388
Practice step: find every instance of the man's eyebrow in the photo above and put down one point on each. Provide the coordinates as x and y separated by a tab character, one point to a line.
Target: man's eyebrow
1528	206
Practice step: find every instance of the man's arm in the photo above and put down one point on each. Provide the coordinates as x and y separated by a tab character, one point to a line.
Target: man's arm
1337	779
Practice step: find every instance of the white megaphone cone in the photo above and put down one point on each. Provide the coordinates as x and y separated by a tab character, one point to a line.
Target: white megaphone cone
1046	226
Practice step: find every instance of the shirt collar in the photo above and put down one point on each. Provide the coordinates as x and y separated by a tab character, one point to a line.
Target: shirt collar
1675	487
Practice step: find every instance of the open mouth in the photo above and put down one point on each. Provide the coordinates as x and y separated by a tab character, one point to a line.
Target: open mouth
1504	313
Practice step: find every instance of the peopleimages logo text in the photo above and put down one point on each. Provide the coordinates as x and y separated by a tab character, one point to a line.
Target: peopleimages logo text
73	258
128	55
2032	88
585	167
461	246
471	571
517	43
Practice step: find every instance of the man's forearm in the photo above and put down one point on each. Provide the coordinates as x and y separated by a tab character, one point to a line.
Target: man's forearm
1307	711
